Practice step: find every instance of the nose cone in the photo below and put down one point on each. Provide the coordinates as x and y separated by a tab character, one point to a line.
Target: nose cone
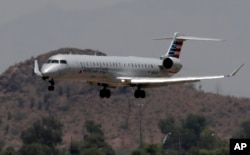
49	69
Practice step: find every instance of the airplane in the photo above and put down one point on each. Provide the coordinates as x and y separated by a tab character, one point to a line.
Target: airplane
116	71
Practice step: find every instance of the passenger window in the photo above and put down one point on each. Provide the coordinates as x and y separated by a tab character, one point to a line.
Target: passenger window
63	62
54	61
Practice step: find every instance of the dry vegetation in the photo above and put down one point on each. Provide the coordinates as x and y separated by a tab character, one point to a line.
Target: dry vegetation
24	98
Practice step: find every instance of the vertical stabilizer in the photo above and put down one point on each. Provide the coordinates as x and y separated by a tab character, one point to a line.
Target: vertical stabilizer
174	49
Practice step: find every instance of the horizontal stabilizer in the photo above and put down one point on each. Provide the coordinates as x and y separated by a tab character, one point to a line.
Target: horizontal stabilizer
197	38
190	38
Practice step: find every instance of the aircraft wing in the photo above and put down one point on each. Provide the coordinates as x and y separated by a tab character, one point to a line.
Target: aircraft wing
147	81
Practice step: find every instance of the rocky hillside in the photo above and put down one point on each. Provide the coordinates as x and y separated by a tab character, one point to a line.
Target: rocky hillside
24	98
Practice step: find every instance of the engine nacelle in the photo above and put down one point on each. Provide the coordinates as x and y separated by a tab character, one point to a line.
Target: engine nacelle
172	64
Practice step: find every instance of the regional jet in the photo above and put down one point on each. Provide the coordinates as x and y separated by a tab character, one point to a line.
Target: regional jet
116	71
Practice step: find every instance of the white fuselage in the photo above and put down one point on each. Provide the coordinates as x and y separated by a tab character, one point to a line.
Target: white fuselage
114	71
102	69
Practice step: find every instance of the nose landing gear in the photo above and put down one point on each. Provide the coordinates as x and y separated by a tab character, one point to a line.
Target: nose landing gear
51	87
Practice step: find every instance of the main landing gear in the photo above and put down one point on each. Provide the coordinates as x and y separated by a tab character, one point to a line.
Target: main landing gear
139	93
51	87
105	93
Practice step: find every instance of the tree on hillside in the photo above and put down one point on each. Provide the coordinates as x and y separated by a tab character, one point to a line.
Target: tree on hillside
9	151
171	130
75	148
93	143
191	136
167	125
149	149
184	135
92	127
244	131
209	143
191	128
195	122
209	140
36	149
47	131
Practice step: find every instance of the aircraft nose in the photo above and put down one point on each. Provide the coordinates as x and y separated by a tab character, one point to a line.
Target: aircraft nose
45	71
48	70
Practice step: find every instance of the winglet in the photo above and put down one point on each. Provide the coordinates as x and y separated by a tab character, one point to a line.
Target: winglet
36	69
235	71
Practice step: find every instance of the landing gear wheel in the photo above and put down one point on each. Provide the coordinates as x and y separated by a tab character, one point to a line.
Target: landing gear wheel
51	88
105	93
51	81
108	93
139	93
102	93
142	94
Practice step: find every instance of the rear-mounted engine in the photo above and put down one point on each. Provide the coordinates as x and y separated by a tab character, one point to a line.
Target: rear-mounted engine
172	64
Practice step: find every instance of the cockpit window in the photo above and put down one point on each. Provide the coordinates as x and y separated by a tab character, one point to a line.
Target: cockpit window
54	61
63	62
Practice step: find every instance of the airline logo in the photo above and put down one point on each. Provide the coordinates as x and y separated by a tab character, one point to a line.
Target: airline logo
175	49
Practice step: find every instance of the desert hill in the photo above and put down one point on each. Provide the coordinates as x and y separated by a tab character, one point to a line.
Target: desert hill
24	98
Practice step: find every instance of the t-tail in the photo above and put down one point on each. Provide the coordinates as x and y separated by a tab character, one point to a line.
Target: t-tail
174	49
178	39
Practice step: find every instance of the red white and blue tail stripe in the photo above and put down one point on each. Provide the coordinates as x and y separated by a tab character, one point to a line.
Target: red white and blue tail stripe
175	48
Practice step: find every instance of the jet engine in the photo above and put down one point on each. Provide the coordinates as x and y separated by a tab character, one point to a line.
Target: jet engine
172	64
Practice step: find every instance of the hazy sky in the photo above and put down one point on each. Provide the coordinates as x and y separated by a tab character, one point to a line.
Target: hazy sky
125	27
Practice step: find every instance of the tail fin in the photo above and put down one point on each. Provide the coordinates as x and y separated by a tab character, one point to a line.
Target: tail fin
174	49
